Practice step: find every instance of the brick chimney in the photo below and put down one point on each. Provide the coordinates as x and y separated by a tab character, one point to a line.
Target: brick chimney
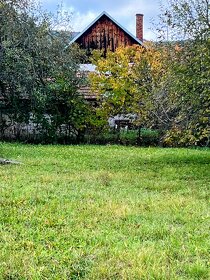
139	26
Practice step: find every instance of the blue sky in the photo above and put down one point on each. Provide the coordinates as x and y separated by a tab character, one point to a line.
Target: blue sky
124	11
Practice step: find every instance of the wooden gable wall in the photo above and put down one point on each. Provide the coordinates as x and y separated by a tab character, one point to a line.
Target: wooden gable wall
106	35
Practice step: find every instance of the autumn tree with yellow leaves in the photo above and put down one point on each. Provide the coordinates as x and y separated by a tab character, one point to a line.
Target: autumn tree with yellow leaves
134	81
126	81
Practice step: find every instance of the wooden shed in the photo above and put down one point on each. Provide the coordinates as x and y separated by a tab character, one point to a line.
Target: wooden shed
105	33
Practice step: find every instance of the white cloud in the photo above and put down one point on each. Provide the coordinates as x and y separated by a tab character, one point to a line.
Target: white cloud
85	11
80	21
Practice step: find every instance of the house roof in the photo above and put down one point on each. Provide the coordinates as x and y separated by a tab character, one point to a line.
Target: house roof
113	20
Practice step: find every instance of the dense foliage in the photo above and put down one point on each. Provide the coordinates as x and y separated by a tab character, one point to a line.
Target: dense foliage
165	85
39	74
189	20
129	80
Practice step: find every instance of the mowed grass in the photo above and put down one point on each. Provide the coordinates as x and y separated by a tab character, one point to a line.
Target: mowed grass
104	212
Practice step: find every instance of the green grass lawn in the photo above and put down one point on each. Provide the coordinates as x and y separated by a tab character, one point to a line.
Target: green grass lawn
104	212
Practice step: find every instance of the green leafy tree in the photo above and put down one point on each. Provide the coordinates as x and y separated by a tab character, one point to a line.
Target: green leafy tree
188	23
39	74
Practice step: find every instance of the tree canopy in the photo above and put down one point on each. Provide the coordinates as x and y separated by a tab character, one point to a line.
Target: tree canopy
39	73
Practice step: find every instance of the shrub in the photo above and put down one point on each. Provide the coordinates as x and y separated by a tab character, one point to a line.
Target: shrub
146	137
149	137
